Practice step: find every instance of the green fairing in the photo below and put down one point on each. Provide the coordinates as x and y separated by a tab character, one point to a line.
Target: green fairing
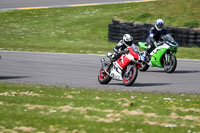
143	45
156	58
174	50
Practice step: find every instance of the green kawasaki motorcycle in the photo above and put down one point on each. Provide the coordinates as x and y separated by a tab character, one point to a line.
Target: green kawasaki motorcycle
162	56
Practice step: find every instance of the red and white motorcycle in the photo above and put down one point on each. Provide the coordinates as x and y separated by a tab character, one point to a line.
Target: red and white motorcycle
124	69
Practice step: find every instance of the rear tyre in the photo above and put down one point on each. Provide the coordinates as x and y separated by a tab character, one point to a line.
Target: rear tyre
103	77
144	67
171	66
130	75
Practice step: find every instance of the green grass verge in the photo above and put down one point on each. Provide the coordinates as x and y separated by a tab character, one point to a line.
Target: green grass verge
27	108
85	29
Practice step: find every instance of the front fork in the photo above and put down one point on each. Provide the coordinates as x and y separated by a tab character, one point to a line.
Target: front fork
167	57
127	73
103	65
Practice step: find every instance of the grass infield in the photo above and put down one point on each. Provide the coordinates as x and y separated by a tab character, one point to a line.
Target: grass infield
27	108
85	29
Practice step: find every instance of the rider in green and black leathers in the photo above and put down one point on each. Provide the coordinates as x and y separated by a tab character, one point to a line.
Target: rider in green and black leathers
154	35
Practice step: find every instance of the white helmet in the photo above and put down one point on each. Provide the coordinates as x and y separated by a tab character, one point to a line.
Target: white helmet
159	24
127	40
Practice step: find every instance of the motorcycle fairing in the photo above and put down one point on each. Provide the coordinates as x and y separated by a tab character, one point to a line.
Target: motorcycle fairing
157	54
123	61
126	58
143	45
116	71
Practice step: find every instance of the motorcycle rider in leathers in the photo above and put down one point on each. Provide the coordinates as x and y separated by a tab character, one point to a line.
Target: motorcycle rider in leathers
120	48
154	36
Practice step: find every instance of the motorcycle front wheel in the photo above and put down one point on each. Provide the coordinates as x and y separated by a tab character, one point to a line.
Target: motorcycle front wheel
170	66
130	75
103	77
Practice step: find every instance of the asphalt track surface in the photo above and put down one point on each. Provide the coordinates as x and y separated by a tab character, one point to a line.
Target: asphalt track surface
81	70
29	4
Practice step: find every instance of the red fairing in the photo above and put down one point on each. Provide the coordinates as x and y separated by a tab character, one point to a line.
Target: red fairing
123	60
133	53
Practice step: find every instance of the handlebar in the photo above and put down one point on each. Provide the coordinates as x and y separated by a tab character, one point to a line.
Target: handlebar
126	51
159	43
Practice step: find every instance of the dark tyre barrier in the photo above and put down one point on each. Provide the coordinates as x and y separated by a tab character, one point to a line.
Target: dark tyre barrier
183	36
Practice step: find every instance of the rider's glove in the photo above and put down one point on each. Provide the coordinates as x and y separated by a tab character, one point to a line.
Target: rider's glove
119	51
125	51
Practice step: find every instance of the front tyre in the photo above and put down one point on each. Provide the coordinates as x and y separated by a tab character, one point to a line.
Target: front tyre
130	75
170	66
103	77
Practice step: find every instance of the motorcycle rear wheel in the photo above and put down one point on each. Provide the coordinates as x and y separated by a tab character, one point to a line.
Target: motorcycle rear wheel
103	77
130	77
170	68
144	67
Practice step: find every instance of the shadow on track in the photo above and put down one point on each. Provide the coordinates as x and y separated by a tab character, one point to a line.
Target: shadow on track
176	71
149	84
186	71
12	77
141	84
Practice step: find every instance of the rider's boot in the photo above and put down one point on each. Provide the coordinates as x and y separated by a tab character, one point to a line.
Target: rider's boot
103	64
147	54
144	56
111	56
